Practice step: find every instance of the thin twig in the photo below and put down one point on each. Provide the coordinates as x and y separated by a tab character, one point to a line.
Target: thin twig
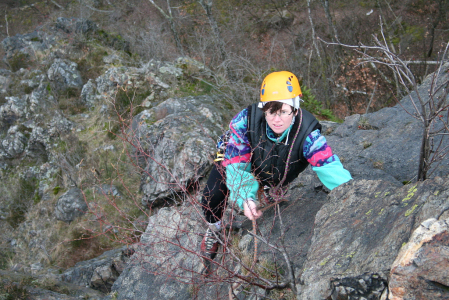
372	97
7	28
59	6
284	252
98	10
255	243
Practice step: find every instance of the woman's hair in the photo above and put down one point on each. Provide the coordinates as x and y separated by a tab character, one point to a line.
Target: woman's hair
274	106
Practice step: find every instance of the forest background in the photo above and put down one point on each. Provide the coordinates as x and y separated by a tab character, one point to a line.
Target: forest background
241	41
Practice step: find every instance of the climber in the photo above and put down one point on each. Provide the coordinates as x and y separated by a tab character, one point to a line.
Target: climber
263	138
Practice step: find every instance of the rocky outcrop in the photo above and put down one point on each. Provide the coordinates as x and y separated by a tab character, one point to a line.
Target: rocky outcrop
101	272
343	244
29	44
64	74
13	110
345	252
43	288
71	205
165	250
361	229
14	144
175	143
88	93
155	77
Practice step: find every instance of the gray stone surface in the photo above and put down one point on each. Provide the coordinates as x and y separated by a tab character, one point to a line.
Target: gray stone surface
342	245
175	144
13	145
46	287
64	74
27	43
362	227
70	205
88	94
98	273
13	110
165	258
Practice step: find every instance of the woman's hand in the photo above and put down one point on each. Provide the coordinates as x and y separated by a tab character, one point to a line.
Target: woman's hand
250	210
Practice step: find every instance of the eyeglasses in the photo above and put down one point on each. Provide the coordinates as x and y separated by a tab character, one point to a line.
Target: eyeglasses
282	114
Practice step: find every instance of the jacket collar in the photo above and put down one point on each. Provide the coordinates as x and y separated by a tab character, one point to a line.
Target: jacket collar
272	136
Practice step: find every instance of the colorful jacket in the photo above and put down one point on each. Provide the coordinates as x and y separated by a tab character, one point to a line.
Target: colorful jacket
239	176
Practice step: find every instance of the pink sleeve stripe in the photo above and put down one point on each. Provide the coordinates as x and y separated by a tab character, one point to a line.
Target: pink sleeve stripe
320	156
245	158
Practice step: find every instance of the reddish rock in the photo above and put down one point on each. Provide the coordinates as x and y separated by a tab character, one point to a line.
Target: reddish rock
421	270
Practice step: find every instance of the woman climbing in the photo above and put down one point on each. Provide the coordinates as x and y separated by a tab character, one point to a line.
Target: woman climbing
269	145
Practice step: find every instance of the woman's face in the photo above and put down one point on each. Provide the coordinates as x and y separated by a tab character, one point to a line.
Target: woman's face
280	120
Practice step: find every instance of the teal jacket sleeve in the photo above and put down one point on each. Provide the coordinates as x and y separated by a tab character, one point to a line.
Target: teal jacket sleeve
327	165
332	174
241	183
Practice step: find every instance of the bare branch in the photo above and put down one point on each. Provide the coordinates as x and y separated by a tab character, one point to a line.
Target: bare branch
371	98
431	105
98	10
171	21
7	27
422	62
92	8
59	6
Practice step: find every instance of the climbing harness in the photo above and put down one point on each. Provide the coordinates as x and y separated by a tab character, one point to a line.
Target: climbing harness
222	141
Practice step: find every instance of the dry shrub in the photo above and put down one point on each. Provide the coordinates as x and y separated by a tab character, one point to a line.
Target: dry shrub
82	245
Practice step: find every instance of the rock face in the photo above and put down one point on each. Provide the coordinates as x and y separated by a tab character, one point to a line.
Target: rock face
175	144
361	229
346	252
99	273
14	109
65	75
71	205
14	144
166	245
27	43
56	290
421	269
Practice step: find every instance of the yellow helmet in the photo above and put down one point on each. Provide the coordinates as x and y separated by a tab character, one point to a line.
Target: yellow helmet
280	86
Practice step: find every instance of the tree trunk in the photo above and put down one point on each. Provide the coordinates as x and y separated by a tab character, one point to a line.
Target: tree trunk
171	21
327	11
313	31
440	17
207	6
424	154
